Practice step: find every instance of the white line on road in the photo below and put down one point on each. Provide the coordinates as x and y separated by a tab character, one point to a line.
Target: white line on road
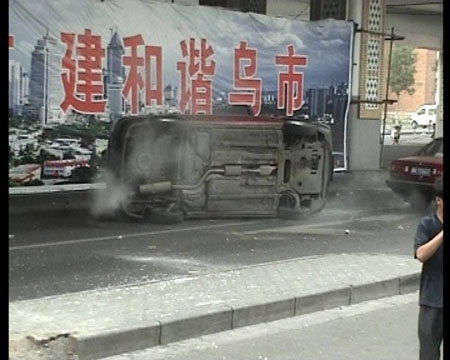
295	228
313	227
125	236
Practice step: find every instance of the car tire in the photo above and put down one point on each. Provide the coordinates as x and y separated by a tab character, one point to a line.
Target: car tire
288	208
166	216
419	201
299	128
287	213
414	125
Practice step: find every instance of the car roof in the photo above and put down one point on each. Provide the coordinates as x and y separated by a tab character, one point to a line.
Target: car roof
428	106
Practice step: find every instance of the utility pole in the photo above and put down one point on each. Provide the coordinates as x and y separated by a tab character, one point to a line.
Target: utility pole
392	38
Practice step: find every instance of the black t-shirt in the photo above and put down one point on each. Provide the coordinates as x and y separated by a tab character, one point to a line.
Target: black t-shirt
431	280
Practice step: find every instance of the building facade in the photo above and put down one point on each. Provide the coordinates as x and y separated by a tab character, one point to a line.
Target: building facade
115	75
45	81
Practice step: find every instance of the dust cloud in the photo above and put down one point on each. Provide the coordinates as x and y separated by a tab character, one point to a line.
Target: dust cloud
107	202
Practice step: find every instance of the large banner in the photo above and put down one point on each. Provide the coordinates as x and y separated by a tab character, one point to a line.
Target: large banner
108	59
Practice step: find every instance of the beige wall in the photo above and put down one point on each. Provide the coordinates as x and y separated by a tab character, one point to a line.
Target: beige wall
420	31
291	9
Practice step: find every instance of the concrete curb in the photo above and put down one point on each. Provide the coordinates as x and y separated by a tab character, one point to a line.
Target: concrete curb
40	203
98	345
221	317
34	200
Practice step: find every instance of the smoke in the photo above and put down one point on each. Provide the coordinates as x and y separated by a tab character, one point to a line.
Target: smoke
107	202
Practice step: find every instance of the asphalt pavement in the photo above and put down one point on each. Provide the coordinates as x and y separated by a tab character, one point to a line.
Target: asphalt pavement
104	322
58	252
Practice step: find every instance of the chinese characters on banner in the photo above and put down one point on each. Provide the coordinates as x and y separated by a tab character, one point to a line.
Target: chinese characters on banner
135	82
83	85
82	76
200	74
249	87
290	83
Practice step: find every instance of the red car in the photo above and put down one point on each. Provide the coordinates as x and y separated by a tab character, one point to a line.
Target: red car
413	177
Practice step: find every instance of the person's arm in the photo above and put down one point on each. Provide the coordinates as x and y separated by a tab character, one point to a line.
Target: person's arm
427	250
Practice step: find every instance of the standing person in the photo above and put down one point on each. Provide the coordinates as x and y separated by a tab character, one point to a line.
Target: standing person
396	134
428	249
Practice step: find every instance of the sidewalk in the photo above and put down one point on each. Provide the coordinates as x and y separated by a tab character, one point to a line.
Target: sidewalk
95	324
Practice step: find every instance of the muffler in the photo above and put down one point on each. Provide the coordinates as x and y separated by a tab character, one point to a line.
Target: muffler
155	188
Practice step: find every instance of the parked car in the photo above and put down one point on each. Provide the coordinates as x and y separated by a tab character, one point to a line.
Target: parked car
174	167
424	117
413	177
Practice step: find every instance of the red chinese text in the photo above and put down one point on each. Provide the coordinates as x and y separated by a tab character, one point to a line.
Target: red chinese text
135	82
199	93
248	87
290	83
82	78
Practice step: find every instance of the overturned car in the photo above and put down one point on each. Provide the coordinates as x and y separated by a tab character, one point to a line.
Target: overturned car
197	166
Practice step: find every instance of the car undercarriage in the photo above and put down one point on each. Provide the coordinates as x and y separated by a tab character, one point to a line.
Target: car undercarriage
173	168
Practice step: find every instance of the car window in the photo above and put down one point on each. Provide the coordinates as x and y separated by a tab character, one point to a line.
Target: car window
432	149
421	112
440	149
432	111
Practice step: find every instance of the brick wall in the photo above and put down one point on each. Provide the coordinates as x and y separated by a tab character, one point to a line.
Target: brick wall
425	82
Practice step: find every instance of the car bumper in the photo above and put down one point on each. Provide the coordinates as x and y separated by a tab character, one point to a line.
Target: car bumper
405	187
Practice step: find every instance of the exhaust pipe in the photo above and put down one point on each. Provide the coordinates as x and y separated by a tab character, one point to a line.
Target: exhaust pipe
155	188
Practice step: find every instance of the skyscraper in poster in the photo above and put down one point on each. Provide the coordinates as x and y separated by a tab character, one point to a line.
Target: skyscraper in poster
18	88
46	92
114	79
317	102
14	90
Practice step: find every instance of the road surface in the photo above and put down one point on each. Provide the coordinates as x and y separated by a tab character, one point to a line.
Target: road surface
57	253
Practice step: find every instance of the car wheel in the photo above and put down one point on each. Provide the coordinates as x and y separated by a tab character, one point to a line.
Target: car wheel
419	201
414	125
288	208
299	128
288	214
131	211
170	215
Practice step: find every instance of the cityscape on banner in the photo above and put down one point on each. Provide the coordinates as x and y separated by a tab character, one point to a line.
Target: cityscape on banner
53	90
120	92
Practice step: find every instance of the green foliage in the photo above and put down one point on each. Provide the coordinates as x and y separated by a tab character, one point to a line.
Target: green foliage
44	156
22	123
88	132
403	69
13	160
27	155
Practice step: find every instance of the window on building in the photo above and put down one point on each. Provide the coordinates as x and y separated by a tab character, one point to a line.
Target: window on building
256	6
326	9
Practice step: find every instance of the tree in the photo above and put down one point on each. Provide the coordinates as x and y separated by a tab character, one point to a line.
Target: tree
403	70
13	160
27	155
44	155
